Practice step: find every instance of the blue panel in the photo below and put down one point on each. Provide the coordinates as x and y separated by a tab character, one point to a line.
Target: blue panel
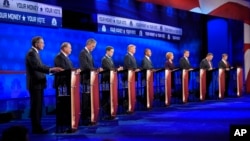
218	39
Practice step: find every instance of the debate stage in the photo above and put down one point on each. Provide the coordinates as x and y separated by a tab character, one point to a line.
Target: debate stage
209	120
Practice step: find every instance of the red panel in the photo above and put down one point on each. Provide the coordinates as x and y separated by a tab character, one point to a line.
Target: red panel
113	93
94	96
202	84
179	4
239	81
150	88
221	83
168	86
185	86
131	91
75	99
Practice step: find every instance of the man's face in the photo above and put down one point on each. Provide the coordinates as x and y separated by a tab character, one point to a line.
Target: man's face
225	58
67	49
210	58
149	53
40	44
91	46
110	52
186	54
133	49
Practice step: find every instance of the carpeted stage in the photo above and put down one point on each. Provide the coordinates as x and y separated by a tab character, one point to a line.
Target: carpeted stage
195	121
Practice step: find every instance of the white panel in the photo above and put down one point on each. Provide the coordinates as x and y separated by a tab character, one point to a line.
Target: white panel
246	33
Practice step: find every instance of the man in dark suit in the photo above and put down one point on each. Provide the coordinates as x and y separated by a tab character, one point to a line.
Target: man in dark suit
62	59
146	62
86	65
184	62
107	64
86	60
146	65
207	65
36	82
223	64
129	60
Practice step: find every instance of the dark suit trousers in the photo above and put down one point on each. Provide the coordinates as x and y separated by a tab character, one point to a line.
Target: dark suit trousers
36	101
86	105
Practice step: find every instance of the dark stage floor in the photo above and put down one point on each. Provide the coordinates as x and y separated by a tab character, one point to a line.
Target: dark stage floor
197	121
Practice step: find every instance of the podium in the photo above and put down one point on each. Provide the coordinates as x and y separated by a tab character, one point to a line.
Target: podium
185	75
221	78
168	85
67	84
203	87
131	91
113	93
149	88
109	92
238	72
94	96
239	81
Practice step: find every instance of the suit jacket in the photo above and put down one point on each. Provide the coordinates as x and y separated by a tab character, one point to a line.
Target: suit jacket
107	64
205	64
169	65
146	64
86	64
184	64
62	61
129	62
35	71
223	65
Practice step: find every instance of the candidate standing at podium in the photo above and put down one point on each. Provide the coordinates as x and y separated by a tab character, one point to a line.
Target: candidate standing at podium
184	61
62	60
36	82
146	61
206	64
86	65
146	65
107	65
129	59
223	64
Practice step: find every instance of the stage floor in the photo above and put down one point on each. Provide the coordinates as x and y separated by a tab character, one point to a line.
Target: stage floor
197	121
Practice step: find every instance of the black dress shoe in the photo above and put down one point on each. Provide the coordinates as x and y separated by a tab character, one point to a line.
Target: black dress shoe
40	132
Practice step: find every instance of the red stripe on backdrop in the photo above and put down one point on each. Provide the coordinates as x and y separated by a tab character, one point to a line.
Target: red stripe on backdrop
233	11
179	4
246	47
248	82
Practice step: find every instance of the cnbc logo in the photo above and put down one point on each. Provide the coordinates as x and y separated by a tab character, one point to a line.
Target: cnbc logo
6	3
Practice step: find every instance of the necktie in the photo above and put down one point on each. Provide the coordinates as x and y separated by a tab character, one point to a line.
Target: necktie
69	62
187	60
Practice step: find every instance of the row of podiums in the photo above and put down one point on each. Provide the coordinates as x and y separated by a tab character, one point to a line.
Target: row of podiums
128	86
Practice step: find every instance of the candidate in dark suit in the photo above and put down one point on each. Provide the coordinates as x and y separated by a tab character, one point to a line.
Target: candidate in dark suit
107	65
146	61
223	64
207	65
86	65
86	60
36	82
146	65
62	60
184	61
129	60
